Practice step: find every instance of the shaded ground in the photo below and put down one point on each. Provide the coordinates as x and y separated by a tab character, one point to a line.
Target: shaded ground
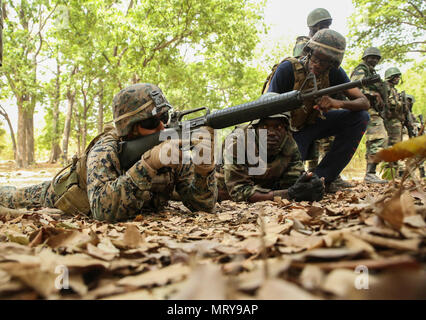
367	242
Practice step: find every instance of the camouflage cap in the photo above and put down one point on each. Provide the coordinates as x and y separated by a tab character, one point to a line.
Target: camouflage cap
328	42
285	115
317	15
372	51
392	71
300	44
136	103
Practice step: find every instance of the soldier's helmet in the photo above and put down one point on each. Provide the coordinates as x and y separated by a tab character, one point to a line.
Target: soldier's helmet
136	103
372	51
285	115
411	97
328	42
300	44
318	15
392	71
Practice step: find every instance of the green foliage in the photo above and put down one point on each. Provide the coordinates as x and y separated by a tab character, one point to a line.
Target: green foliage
414	83
397	27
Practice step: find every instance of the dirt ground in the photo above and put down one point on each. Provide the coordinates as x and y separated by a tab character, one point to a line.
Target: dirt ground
367	242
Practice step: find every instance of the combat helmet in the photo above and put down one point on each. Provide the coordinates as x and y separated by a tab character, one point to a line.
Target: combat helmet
411	97
392	71
136	103
284	115
300	44
318	15
328	42
372	51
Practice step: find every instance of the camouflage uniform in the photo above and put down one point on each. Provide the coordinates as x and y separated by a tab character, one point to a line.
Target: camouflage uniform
281	173
115	195
376	137
396	115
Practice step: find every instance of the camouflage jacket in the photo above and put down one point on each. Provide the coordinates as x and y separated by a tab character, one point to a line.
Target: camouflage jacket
281	172
363	71
395	104
115	195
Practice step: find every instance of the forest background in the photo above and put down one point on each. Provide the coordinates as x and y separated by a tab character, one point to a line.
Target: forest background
63	61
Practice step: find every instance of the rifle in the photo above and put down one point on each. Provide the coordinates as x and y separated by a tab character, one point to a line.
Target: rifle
131	151
408	120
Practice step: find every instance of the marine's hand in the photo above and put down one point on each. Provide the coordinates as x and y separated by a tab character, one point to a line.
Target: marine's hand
203	151
166	154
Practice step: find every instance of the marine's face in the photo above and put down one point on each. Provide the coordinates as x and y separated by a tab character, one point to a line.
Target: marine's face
276	132
372	60
319	63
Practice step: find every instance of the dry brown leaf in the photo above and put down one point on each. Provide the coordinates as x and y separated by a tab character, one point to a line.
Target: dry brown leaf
311	277
402	150
299	214
175	272
277	289
132	236
416	221
410	245
341	282
206	282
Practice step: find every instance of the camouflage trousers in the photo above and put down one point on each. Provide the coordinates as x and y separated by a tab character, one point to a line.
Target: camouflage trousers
321	147
394	129
39	195
375	135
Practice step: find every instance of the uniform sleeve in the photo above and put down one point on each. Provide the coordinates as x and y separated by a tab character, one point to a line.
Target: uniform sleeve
358	74
112	196
283	79
294	170
239	183
198	193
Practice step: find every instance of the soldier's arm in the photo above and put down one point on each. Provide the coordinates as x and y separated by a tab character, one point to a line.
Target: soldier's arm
294	169
197	192
112	196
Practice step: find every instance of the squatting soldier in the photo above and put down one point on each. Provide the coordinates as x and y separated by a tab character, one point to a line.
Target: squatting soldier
318	19
316	120
96	183
283	172
376	136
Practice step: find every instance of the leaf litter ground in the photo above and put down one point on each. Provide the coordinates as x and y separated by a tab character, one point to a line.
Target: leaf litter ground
362	243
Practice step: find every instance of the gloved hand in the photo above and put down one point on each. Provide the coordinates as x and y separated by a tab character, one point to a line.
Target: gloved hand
203	151
309	187
166	154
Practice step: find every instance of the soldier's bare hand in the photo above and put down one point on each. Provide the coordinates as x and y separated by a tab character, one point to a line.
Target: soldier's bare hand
326	103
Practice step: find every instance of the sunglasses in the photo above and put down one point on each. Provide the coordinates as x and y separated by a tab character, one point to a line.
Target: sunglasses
154	122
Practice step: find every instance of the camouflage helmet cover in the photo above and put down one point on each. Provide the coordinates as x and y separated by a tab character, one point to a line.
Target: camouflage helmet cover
136	103
392	71
300	44
372	51
285	115
317	15
328	42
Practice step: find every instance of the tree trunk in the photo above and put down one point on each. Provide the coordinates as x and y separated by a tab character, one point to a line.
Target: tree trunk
101	111
29	126
67	126
55	149
21	160
12	133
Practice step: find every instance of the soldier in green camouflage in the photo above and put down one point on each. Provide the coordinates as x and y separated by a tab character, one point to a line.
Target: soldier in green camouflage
376	136
418	127
283	175
96	184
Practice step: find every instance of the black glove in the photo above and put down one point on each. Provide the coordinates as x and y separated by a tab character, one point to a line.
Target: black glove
309	187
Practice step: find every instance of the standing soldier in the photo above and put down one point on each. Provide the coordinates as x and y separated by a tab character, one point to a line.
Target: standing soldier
418	127
395	110
376	136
